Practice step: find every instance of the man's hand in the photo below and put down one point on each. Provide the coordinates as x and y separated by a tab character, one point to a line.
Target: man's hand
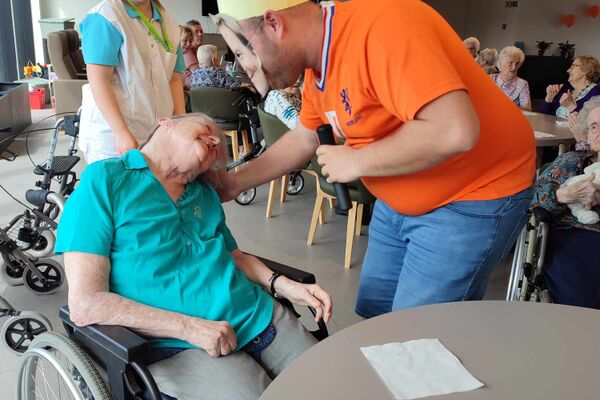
226	185
567	100
125	142
217	338
338	163
306	295
551	92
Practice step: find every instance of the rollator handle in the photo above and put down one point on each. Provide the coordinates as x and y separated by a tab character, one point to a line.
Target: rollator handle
325	133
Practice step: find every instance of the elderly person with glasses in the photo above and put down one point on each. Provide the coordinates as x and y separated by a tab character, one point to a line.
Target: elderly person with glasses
509	61
487	60
572	268
472	44
160	259
561	100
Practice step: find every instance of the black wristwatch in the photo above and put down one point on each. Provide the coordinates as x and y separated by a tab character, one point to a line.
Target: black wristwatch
272	279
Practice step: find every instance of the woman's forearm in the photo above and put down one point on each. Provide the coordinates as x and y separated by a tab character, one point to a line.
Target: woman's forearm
176	85
104	96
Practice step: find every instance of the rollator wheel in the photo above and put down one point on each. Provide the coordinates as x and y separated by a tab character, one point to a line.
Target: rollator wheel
295	185
53	277
44	245
55	365
246	197
11	274
19	331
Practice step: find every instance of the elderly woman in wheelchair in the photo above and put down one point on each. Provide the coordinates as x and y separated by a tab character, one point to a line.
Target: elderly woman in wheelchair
146	247
572	268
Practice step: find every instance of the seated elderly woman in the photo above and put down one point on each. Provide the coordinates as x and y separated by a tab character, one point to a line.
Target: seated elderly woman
146	247
561	100
487	60
472	44
285	104
572	261
510	60
208	73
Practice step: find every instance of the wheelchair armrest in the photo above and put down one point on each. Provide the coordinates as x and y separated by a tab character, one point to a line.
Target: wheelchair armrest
542	215
104	340
289	272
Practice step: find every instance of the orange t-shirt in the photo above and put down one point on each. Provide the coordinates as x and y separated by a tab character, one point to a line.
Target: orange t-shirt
382	62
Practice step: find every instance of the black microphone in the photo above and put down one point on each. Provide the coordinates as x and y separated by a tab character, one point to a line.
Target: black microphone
325	133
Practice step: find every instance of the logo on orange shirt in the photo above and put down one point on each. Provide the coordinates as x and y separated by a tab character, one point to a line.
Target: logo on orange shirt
346	101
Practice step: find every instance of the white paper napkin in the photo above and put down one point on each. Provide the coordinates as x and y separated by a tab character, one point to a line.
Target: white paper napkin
529	113
419	368
541	135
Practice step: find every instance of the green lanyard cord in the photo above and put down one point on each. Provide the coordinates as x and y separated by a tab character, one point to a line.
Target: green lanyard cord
164	39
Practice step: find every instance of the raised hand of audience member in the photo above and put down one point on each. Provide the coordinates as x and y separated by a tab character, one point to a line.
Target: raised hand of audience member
567	100
552	91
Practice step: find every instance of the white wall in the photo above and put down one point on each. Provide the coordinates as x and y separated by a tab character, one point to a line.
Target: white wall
532	21
182	10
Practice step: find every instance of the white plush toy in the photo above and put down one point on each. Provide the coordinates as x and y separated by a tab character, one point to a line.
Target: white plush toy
583	215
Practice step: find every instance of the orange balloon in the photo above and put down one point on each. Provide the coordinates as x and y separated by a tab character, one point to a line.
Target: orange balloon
569	20
593	11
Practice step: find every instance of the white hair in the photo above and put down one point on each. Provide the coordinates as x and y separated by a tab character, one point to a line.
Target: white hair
206	54
488	56
511	51
583	115
474	41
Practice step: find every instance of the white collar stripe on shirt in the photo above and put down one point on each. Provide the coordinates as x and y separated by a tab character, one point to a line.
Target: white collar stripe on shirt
328	12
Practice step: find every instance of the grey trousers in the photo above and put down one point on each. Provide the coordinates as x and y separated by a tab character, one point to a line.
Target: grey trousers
193	374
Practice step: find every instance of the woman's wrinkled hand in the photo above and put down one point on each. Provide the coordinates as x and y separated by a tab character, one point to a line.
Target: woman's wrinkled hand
584	192
551	92
217	338
306	295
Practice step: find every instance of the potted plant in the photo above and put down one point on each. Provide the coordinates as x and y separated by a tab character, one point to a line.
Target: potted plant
567	50
543	46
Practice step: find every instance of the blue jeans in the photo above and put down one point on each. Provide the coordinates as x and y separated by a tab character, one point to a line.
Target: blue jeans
445	255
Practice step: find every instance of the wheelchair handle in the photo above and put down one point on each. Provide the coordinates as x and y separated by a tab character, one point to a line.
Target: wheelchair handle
325	133
41	196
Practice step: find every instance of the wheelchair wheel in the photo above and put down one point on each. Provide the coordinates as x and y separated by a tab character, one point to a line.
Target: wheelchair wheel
19	331
53	277
295	185
246	197
11	273
44	245
55	365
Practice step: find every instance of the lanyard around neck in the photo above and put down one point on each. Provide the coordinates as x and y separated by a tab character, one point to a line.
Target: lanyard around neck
164	39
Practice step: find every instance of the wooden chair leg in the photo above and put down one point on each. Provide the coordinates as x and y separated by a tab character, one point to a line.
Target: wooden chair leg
359	217
245	142
272	189
315	217
285	180
331	203
235	145
350	234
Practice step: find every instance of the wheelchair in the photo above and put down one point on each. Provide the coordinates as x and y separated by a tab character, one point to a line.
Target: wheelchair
29	235
105	362
41	276
527	282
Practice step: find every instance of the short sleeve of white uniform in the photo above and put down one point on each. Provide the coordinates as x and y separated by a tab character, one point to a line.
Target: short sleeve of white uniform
100	40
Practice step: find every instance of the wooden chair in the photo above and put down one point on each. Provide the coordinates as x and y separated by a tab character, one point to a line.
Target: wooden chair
359	195
217	103
273	129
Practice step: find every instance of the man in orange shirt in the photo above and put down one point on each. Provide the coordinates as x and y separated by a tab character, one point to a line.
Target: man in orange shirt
449	157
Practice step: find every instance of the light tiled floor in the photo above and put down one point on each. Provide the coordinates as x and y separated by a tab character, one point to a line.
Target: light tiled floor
282	238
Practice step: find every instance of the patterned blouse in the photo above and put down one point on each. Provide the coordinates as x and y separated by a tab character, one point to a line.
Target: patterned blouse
284	106
212	77
564	167
517	90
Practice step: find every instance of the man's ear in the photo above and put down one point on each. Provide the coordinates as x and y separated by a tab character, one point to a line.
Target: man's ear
273	23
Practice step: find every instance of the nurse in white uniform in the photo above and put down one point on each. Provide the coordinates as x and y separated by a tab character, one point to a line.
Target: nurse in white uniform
135	68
